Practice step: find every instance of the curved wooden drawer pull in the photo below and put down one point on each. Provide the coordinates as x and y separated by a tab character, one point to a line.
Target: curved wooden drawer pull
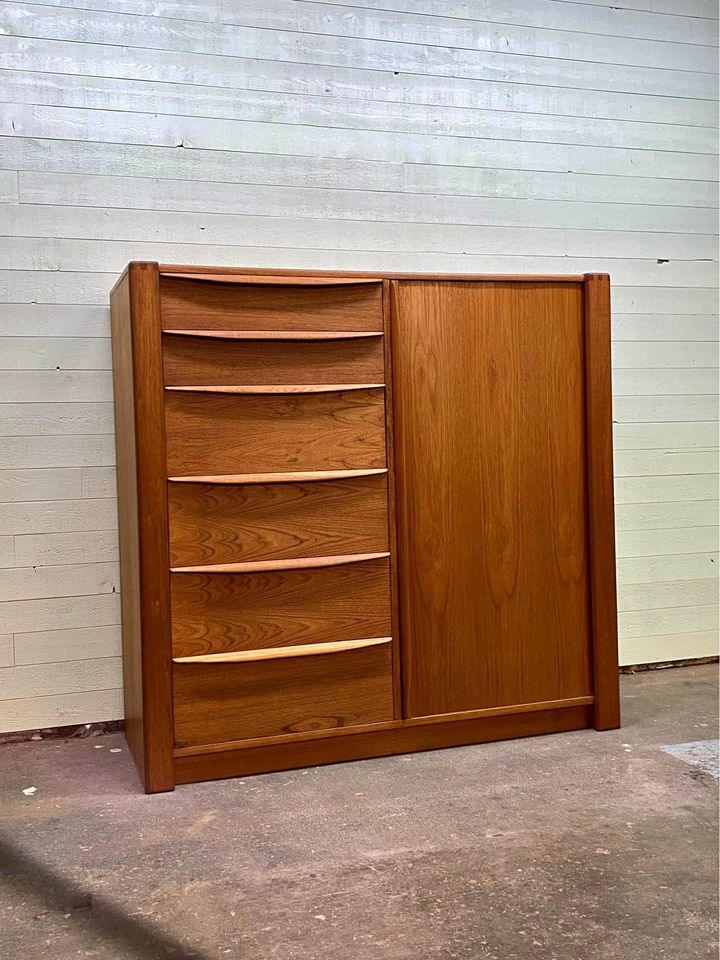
268	566
280	653
297	476
276	334
277	388
272	281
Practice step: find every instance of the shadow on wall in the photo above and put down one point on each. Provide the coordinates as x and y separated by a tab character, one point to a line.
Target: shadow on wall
135	937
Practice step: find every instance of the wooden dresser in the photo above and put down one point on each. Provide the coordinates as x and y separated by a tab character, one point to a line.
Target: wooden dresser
360	514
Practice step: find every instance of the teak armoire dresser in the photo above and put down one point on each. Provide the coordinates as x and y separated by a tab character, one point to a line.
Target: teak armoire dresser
360	514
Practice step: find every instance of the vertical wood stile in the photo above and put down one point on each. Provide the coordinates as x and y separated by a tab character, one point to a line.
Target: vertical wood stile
601	509
153	741
392	522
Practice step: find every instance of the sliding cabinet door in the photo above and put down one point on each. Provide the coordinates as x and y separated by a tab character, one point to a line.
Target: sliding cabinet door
490	440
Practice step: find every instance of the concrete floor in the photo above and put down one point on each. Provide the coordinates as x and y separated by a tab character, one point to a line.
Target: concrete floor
581	846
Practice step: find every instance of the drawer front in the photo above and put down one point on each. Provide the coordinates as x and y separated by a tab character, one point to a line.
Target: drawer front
222	612
192	360
206	304
219	433
237	701
227	523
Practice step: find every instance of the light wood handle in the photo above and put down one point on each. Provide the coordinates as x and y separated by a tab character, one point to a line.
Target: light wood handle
268	566
280	388
280	653
277	334
306	476
245	279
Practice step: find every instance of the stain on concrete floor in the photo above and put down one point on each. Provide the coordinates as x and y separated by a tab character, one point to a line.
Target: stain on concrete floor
580	846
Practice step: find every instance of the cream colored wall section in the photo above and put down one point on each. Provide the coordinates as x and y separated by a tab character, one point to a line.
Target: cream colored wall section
504	136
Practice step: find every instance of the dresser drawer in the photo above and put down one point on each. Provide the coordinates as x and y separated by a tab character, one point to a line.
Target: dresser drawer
214	302
222	612
217	702
196	360
227	522
210	433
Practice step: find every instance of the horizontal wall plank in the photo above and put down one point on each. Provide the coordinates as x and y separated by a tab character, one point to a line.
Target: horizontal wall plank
610	20
53	646
668	647
55	353
668	567
569	186
321	204
655	596
52	419
658	327
180	100
702	381
56	484
25	616
19	453
59	710
644	490
659	543
53	320
58	516
666	516
539	150
379	84
672	354
52	549
636	463
55	386
223	238
655	409
645	623
39	680
533	56
676	435
71	580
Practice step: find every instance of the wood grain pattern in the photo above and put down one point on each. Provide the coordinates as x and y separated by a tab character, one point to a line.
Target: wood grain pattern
215	306
282	653
385	740
297	476
193	360
388	726
209	434
601	508
135	310
220	523
217	613
272	335
491	513
270	566
240	700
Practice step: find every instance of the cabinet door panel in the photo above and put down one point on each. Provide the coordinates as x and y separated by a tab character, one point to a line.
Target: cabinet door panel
492	511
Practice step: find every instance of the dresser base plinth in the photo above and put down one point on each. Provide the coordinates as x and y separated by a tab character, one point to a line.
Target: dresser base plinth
404	737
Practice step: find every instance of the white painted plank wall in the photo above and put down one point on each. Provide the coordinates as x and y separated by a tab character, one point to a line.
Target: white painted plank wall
541	136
